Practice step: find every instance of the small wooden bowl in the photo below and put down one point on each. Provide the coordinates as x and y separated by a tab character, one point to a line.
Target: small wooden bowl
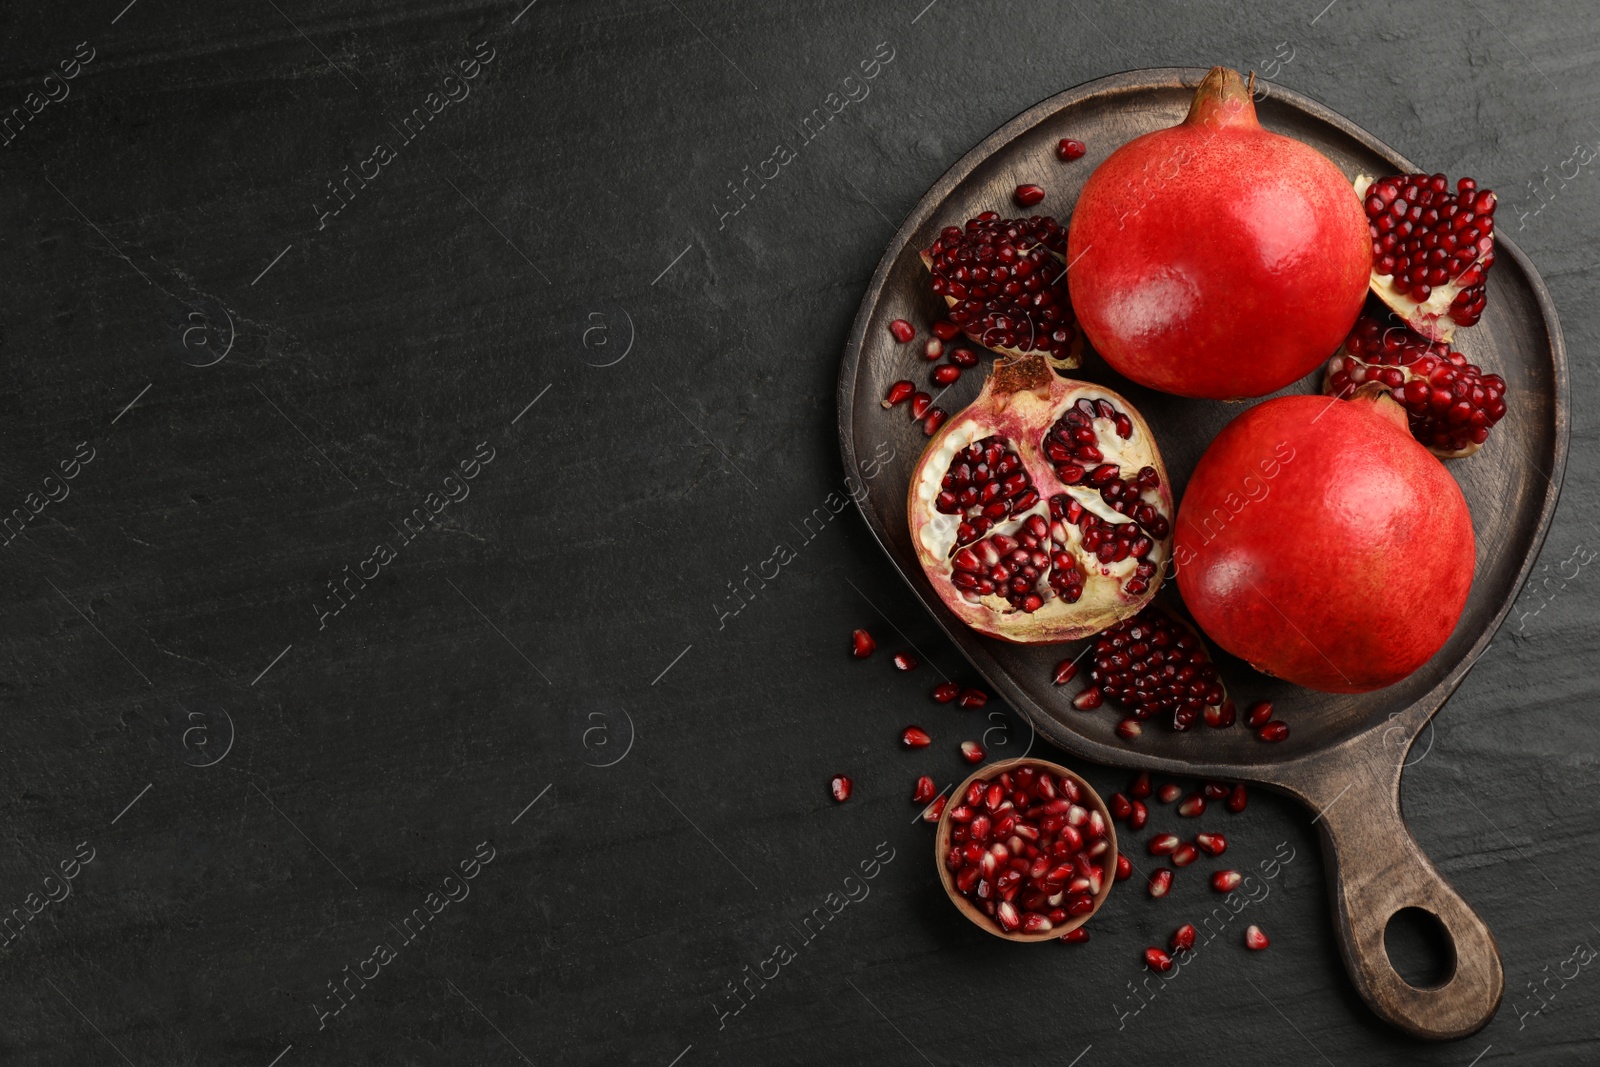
941	848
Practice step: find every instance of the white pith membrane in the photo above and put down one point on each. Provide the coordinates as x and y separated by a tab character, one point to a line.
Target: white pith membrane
1432	316
1042	581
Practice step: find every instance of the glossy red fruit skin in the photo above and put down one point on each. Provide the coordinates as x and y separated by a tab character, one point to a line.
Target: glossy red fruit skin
1215	259
1359	537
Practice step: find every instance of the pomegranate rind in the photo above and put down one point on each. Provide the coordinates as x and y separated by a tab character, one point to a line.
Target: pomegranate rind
1431	317
1021	401
1321	543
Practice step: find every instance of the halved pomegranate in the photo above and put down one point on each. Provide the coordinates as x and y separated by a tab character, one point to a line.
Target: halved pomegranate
1450	404
1432	248
1042	512
1006	283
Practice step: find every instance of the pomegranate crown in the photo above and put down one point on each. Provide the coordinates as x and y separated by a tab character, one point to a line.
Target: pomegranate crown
1224	99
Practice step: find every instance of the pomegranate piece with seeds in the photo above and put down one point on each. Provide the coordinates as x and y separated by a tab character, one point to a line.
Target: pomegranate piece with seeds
1451	405
1019	842
1042	512
841	786
1006	283
1432	247
1155	664
861	644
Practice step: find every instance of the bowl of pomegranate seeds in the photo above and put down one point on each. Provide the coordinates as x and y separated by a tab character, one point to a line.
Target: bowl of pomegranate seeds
1026	850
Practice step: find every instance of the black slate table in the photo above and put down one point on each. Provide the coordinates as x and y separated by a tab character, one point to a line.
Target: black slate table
399	399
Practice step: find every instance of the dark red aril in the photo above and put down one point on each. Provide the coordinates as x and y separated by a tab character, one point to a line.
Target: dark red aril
972	699
1160	882
946	374
924	790
972	752
944	329
1029	195
915	737
945	692
898	392
1259	715
1068	149
902	331
1276	730
841	786
861	644
905	661
1182	939
935	419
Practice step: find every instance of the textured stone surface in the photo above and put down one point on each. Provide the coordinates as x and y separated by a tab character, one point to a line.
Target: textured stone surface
174	609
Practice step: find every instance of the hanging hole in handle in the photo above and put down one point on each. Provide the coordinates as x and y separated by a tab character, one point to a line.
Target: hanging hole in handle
1420	949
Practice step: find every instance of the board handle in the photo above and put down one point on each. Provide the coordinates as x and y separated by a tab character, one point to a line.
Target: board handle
1376	869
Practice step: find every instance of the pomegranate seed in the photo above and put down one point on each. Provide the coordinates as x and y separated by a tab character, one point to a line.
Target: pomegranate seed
841	786
905	661
898	392
1124	868
1215	790
1211	844
1193	804
902	330
1029	195
1182	939
1130	729
1164	844
932	812
1184	855
915	737
972	752
946	374
1219	716
1260	714
1254	939
1075	937
935	419
920	403
1238	799
1138	816
1007	916
924	790
945	692
1276	730
1035	923
944	329
1120	806
1169	792
973	699
1067	149
1087	700
861	644
1140	787
1157	960
964	358
1160	882
1226	881
1066	670
933	349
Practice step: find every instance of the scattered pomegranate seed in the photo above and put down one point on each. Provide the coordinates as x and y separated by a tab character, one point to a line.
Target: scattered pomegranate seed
945	692
1124	868
1029	195
1075	937
1276	730
1130	729
1157	960
964	357
1121	807
1140	787
841	786
902	330
1067	149
935	419
1160	882
897	392
1219	716
933	349
1254	939
920	403
1066	670
1193	805
1182	939
915	737
1169	792
861	644
946	374
1164	844
1226	881
1138	816
1215	790
1184	855
944	329
932	812
972	699
1238	799
972	752
1211	844
905	661
924	790
1087	700
1260	714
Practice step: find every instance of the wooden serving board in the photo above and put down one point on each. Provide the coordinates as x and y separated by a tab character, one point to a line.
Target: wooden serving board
1346	753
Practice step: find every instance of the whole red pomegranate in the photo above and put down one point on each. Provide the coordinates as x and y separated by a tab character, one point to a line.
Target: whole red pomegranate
1215	259
1042	512
1323	544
